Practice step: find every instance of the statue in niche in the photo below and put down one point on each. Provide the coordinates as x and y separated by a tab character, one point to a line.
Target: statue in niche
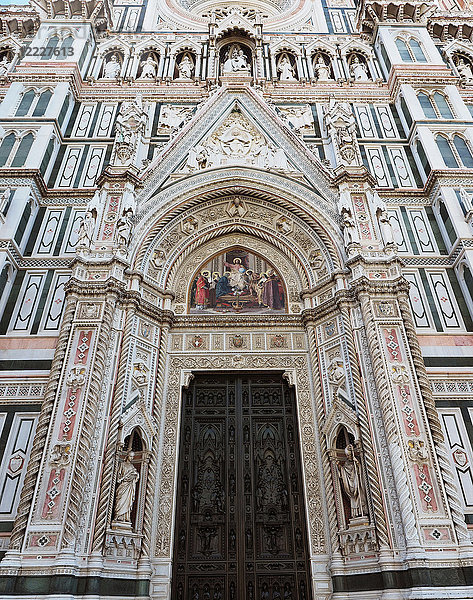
236	61
336	375
351	479
385	227
124	229
322	70
5	65
265	592
185	68
149	68
127	479
86	229
350	233
112	68
285	69
358	69
464	70
381	211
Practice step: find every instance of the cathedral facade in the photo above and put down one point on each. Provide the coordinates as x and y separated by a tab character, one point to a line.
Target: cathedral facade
236	300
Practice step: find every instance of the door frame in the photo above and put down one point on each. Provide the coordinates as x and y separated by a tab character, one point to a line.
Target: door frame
178	374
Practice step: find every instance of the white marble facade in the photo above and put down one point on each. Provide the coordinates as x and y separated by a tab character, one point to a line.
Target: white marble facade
203	187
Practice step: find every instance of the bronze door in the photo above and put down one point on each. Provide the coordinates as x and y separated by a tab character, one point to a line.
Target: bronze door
240	529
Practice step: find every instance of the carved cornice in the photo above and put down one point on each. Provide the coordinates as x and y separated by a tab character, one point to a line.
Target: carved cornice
93	290
233	321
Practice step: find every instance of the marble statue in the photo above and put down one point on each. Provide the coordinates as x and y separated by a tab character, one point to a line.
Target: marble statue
341	127
236	141
351	479
321	70
112	68
299	117
5	66
285	69
350	233
185	68
129	128
236	61
127	479
358	70
86	229
172	117
124	229
464	70
149	68
385	227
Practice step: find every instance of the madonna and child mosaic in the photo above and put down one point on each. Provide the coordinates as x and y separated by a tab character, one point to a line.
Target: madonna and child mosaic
237	281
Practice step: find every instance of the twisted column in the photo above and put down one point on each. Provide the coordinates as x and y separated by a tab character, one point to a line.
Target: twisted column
368	454
42	428
326	466
152	471
434	422
84	441
400	477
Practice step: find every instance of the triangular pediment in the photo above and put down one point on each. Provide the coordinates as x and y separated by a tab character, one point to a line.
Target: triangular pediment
236	127
237	141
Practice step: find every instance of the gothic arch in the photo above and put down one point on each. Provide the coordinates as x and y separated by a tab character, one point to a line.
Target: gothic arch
314	215
170	251
182	271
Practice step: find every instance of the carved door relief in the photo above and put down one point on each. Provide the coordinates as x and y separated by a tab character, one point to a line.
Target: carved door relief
240	529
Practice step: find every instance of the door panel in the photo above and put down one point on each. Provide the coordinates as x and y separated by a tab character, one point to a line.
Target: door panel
240	522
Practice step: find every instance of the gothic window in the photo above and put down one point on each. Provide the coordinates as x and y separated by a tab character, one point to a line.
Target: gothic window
447	223
42	103
4	276
435	106
23	150
25	218
47	156
34	103
463	151
417	51
25	103
50	47
442	105
6	147
403	50
65	50
427	106
445	149
410	51
423	157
